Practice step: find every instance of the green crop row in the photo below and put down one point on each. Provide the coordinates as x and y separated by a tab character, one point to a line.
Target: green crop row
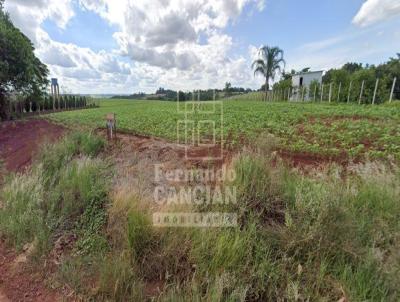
331	130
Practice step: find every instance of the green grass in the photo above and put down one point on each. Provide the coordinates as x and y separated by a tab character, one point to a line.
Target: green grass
64	191
334	130
299	238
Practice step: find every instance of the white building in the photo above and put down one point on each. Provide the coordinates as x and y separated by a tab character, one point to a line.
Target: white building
301	83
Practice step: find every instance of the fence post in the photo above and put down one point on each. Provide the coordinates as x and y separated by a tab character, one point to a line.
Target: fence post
330	92
391	92
315	92
322	91
361	91
338	95
376	88
348	95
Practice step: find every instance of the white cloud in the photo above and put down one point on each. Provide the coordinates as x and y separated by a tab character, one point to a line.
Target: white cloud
166	33
28	15
373	11
177	44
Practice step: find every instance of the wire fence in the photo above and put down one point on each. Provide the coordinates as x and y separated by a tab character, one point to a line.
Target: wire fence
373	91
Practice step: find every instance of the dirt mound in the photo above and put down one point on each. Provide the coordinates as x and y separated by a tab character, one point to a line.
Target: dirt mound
19	140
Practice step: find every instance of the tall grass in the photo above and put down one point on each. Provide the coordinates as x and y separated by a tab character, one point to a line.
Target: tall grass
65	189
299	238
326	236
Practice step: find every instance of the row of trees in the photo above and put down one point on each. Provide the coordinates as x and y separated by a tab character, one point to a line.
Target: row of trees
20	105
353	76
24	78
20	70
202	95
353	82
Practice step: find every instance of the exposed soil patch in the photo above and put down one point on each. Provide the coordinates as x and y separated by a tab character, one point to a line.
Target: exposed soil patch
19	140
307	161
137	157
20	283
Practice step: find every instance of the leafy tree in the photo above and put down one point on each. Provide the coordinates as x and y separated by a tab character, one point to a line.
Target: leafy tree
282	87
352	67
20	70
269	63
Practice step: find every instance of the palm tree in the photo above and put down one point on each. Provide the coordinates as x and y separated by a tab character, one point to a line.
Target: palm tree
269	62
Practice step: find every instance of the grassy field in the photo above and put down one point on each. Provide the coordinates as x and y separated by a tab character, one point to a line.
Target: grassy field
329	235
299	238
332	130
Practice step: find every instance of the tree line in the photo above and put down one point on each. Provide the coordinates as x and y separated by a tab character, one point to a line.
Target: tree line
199	94
23	77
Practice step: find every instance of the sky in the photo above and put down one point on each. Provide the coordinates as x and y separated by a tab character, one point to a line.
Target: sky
127	46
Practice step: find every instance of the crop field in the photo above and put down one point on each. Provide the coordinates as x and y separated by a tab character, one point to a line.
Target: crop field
346	131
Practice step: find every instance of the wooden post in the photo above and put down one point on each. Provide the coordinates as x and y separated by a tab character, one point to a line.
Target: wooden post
338	95
376	88
53	97
348	94
391	92
361	91
322	91
315	92
58	95
330	92
214	94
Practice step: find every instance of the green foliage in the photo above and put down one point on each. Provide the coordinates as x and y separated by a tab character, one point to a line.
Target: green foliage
330	130
20	69
118	280
356	73
139	233
62	192
327	246
269	63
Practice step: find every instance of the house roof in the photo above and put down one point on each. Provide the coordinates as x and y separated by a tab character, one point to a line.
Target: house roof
309	72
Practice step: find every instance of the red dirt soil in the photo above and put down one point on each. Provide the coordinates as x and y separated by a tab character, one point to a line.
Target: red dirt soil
19	140
19	283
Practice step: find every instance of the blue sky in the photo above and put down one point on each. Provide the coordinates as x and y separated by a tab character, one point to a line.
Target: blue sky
108	46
